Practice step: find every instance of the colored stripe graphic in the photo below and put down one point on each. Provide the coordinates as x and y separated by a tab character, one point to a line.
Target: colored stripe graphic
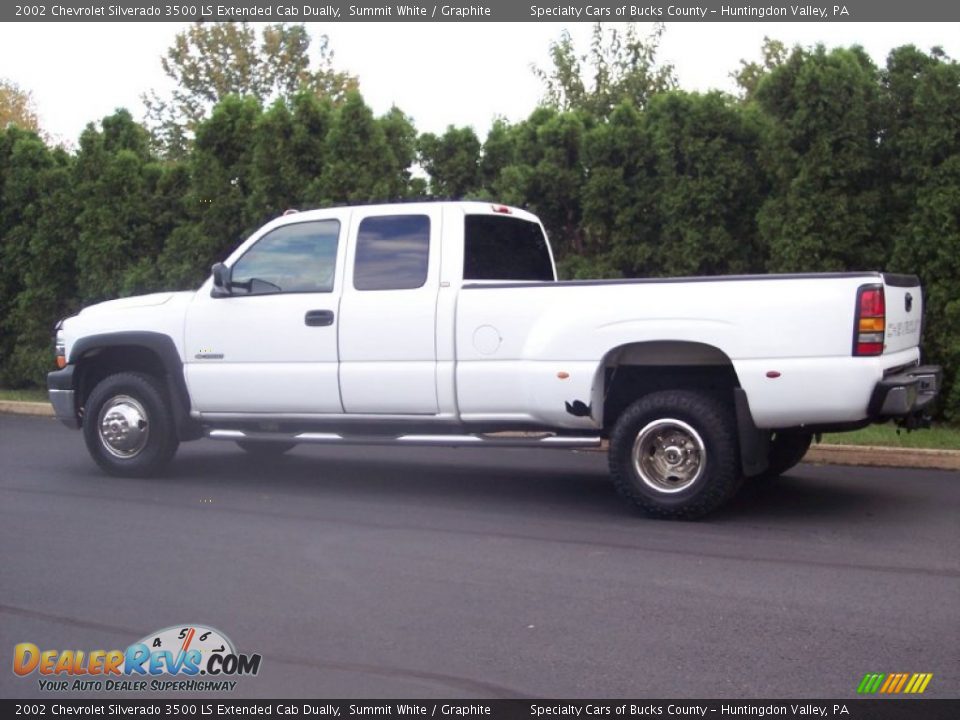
894	683
870	683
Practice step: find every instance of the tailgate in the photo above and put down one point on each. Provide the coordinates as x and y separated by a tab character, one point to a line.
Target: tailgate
904	305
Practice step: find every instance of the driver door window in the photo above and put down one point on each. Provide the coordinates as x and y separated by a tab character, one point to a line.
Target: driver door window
294	258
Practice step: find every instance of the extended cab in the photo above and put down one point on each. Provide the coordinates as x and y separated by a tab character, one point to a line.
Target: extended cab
444	324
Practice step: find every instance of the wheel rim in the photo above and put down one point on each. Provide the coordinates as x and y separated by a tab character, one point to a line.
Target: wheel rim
123	426
669	455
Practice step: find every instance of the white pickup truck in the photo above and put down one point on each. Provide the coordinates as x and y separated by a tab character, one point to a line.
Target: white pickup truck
444	324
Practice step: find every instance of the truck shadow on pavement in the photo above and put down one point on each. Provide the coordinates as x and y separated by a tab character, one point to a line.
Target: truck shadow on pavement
560	484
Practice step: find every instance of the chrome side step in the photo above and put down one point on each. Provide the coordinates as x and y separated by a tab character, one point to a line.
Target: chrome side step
525	440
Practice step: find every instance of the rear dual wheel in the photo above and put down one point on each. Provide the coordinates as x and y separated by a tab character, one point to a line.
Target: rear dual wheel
674	454
786	451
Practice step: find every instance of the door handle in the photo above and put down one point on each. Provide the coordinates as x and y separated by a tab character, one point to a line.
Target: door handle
318	318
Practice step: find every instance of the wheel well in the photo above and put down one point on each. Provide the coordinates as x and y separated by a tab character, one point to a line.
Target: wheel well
631	371
98	363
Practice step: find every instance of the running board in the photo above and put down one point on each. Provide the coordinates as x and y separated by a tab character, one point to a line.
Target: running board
321	438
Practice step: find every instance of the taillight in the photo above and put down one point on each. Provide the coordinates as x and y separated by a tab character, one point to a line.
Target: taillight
870	323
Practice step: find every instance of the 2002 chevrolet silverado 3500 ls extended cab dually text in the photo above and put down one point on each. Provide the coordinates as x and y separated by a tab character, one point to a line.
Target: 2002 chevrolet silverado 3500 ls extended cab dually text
444	324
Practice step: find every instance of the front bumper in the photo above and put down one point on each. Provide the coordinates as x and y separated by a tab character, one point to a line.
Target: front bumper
907	394
63	396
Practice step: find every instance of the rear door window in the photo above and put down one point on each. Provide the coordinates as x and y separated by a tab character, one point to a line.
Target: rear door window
393	252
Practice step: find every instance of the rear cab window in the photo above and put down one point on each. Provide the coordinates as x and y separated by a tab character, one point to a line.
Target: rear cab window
499	247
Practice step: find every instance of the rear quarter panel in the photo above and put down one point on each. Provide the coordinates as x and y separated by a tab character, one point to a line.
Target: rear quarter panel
513	341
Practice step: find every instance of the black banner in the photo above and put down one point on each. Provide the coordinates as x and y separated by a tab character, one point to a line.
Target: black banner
485	10
875	709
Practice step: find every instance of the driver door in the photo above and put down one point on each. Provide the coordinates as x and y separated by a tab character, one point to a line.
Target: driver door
271	345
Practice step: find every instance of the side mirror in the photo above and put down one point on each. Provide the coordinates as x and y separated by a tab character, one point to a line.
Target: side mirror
221	279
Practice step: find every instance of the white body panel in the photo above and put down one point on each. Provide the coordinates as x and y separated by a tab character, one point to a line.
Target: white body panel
159	313
255	353
510	354
388	349
801	328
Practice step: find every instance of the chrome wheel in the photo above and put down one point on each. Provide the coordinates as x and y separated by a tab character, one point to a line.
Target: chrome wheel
669	455
122	426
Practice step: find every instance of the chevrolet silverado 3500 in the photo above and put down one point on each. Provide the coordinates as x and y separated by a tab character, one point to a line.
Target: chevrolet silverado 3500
445	324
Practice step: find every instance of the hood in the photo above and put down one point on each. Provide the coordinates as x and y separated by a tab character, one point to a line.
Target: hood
137	301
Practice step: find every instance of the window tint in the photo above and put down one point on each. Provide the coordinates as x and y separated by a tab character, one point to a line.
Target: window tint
294	258
392	252
505	248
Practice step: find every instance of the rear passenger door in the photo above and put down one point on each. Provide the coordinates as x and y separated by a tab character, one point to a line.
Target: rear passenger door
387	345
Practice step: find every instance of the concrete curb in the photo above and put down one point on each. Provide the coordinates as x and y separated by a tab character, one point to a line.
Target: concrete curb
18	407
875	456
864	455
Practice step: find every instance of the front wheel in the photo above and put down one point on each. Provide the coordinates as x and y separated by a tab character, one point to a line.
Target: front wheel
127	425
674	454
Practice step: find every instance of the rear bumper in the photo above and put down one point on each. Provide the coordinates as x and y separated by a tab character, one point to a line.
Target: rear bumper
906	394
63	396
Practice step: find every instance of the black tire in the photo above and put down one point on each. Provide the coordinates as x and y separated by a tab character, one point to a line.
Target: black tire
265	448
158	431
703	481
786	451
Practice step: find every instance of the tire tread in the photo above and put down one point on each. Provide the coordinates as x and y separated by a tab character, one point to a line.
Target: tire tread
716	425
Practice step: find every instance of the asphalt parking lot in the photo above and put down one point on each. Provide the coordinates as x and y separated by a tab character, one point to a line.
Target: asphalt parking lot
380	572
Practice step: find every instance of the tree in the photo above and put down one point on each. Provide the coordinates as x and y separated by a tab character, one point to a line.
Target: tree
121	226
210	61
821	141
620	65
748	76
709	184
368	159
673	190
17	108
452	161
222	180
620	214
921	93
542	169
37	251
289	153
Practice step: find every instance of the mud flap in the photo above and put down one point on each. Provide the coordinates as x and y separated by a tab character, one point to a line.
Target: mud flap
754	443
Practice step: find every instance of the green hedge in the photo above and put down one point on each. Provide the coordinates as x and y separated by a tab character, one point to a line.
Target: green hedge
831	163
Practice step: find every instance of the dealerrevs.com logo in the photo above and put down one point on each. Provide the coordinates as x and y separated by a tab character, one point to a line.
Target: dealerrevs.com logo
180	657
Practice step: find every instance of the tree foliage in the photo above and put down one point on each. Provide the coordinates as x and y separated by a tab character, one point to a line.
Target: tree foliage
452	161
824	162
17	108
821	147
621	65
210	61
922	163
748	76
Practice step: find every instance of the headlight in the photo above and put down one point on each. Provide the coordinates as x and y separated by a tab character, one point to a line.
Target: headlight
60	349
